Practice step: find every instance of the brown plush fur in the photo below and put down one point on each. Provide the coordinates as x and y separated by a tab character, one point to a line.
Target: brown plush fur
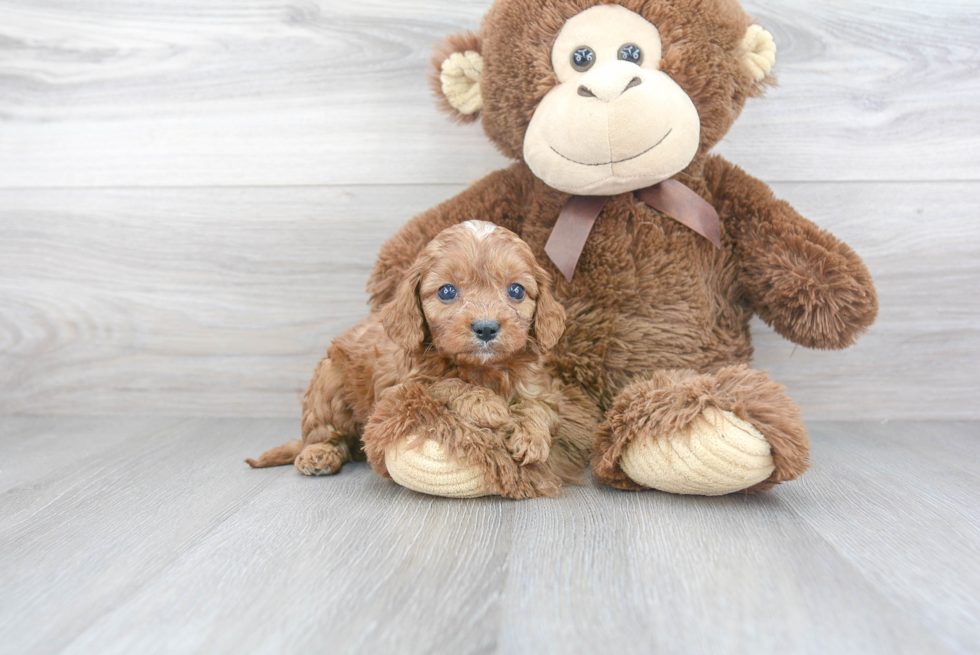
658	319
416	369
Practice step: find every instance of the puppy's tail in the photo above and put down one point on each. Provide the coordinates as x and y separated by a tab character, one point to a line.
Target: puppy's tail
278	456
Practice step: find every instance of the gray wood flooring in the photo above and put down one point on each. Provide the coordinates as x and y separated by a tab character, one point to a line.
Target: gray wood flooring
149	535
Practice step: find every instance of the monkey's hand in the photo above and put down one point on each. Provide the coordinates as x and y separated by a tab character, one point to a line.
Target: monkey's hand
809	286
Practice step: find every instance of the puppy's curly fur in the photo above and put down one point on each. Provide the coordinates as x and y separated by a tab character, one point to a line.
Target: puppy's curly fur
419	367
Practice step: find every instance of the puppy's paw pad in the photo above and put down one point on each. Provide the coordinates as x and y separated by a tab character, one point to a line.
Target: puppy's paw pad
319	459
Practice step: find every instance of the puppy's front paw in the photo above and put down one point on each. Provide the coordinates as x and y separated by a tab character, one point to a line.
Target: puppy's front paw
475	405
528	447
319	459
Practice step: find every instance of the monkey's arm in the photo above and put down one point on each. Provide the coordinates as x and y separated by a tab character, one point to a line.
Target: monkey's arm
809	286
495	198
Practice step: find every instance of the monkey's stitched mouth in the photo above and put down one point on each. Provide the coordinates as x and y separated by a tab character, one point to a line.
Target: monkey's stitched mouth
618	161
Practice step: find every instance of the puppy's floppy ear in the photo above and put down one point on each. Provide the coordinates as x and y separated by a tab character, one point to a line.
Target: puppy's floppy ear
549	315
402	317
457	68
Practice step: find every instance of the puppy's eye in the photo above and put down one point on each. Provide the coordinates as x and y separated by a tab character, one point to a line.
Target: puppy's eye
631	53
583	58
516	292
447	292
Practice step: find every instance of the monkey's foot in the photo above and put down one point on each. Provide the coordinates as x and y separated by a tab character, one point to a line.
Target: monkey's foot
427	469
717	453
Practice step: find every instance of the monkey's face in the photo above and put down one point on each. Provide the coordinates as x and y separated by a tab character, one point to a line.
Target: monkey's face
615	122
601	98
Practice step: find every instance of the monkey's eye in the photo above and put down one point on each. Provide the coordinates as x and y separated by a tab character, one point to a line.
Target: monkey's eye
447	293
516	292
583	58
631	53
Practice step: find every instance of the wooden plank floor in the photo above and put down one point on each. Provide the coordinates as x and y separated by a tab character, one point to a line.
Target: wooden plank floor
145	535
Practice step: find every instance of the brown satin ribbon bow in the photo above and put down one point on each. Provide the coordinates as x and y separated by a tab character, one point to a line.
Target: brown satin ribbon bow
671	197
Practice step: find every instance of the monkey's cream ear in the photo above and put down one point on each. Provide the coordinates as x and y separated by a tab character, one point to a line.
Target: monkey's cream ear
457	67
760	52
460	79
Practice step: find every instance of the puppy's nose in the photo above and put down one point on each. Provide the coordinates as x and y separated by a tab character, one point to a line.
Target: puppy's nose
486	330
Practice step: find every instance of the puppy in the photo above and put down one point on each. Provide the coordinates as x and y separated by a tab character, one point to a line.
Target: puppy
458	356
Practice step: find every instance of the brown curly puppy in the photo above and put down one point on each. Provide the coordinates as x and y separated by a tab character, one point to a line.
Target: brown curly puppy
457	357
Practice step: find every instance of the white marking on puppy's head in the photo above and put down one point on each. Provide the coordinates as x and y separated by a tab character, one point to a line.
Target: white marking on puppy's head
480	229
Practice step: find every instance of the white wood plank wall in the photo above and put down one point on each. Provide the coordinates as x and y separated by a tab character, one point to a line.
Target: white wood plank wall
191	194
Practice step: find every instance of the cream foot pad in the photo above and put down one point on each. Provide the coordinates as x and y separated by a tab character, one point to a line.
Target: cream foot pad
427	470
717	454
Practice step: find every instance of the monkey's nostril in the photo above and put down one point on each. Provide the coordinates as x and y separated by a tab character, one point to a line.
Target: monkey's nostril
585	93
486	330
633	82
